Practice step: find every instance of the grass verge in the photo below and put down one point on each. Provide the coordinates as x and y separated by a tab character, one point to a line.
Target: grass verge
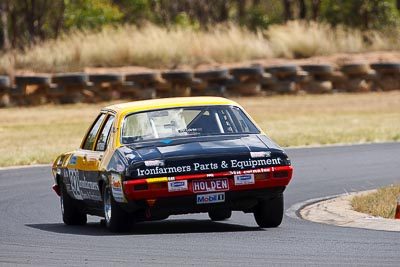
382	203
33	135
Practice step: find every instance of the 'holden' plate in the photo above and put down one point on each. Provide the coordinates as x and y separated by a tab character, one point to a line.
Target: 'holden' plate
210	185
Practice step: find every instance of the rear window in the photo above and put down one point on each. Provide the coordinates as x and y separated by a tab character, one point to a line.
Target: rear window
185	121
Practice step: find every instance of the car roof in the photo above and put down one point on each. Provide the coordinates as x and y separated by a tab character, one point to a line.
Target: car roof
168	102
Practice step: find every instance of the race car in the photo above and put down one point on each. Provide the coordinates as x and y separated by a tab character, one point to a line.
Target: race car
147	160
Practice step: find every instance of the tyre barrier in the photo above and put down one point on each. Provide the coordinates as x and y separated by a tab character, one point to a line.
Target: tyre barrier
256	80
68	88
210	82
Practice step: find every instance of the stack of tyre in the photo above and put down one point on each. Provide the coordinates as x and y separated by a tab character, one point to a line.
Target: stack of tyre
237	81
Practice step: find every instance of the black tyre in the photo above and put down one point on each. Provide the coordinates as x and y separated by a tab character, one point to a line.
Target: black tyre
219	214
70	78
302	77
386	67
318	69
268	79
269	213
32	80
145	77
116	219
70	213
4	81
282	70
217	74
355	69
249	71
215	90
284	87
319	87
106	78
177	75
16	91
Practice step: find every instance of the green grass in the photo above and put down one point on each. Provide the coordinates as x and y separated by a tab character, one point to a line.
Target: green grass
35	135
382	203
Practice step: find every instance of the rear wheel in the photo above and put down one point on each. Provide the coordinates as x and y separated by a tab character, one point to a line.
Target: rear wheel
219	215
70	213
117	220
269	213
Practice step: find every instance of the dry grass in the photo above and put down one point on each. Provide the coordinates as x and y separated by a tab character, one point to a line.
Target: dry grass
150	46
37	134
328	119
33	135
297	39
381	203
156	47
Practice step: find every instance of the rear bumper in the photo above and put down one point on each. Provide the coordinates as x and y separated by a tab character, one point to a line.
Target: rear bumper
156	193
244	200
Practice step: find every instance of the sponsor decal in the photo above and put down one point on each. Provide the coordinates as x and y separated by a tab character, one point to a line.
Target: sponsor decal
120	167
161	170
243	179
72	160
205	167
130	156
156	180
157	166
210	185
177	185
253	163
116	188
262	170
116	183
261	154
153	163
82	185
190	130
210	198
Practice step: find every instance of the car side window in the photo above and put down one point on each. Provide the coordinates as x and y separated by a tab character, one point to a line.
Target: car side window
91	137
104	135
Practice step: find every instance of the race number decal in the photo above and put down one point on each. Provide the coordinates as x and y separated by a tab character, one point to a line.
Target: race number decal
74	181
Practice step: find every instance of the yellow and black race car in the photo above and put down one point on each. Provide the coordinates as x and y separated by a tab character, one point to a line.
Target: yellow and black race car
149	159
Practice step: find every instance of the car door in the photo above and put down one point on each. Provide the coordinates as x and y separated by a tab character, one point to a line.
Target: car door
85	172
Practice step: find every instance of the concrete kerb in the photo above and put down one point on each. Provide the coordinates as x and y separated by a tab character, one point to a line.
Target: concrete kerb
337	210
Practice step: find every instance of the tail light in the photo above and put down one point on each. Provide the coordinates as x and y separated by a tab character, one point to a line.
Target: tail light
281	174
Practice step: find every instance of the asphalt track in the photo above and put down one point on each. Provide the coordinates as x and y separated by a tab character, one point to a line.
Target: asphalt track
32	233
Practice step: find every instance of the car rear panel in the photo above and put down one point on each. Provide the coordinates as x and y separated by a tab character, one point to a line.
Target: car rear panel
183	185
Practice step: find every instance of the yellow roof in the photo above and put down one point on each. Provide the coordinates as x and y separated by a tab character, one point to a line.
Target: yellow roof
168	102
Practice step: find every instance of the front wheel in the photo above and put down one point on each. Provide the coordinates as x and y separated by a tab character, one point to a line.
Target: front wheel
117	220
269	213
70	213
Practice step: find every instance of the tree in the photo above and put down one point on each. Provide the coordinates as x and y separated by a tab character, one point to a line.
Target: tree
4	39
90	13
372	14
316	8
288	7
